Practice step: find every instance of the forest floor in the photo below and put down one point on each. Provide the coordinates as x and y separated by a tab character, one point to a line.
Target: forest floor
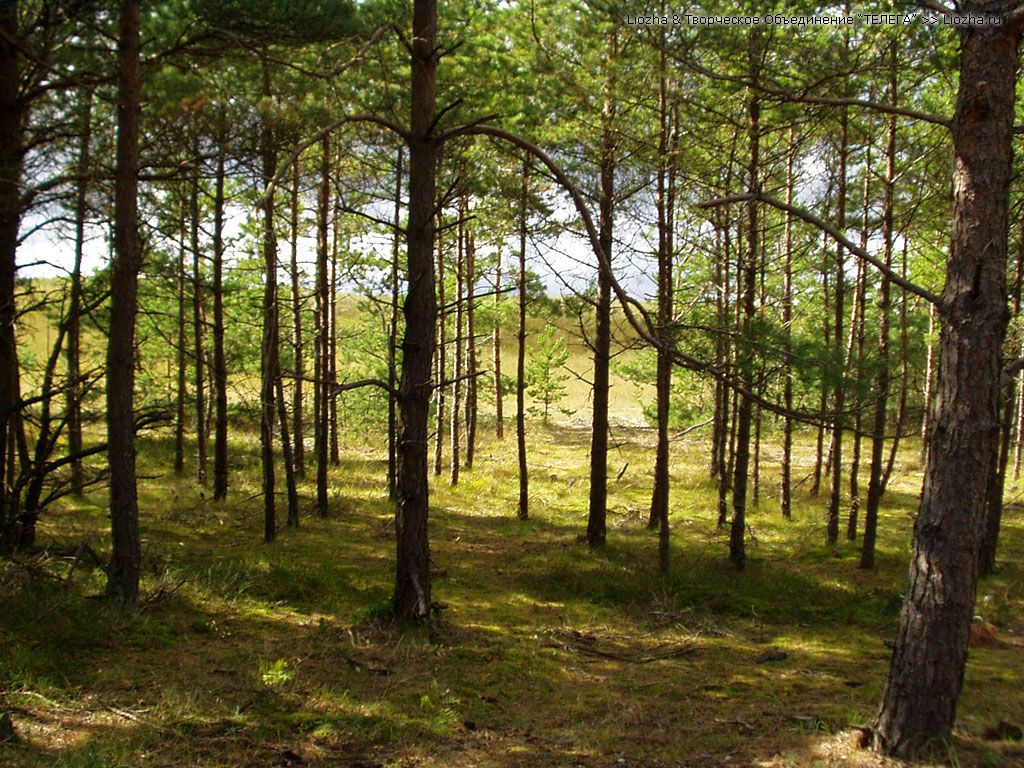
547	655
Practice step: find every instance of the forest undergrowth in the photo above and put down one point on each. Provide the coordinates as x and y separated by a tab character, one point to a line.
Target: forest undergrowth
542	654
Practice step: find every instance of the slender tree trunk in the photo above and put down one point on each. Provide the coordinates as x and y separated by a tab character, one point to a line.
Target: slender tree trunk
126	557
499	395
786	468
722	353
471	361
460	251
286	455
74	342
198	323
737	532
663	375
855	349
598	512
220	366
393	336
839	391
441	353
927	669
523	510
182	391
297	345
269	346
332	341
901	406
412	578
875	480
322	374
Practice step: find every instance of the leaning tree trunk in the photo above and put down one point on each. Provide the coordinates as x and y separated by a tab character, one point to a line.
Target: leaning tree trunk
125	559
927	668
412	575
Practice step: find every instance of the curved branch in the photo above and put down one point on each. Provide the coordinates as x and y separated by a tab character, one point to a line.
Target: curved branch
630	306
836	235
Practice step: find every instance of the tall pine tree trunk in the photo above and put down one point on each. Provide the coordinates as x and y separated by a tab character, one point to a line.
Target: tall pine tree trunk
927	668
471	361
198	323
786	468
440	354
455	434
126	556
323	394
412	577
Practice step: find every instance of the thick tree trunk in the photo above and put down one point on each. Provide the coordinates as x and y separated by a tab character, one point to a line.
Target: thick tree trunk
927	669
598	510
298	430
126	556
523	509
412	578
220	366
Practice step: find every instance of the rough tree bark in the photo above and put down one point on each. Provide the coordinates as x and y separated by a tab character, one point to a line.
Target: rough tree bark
927	668
126	557
412	574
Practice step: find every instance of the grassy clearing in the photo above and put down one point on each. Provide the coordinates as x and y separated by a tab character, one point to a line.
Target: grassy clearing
547	655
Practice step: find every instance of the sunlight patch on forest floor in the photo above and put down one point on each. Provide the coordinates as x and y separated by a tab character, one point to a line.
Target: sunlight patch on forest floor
549	654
